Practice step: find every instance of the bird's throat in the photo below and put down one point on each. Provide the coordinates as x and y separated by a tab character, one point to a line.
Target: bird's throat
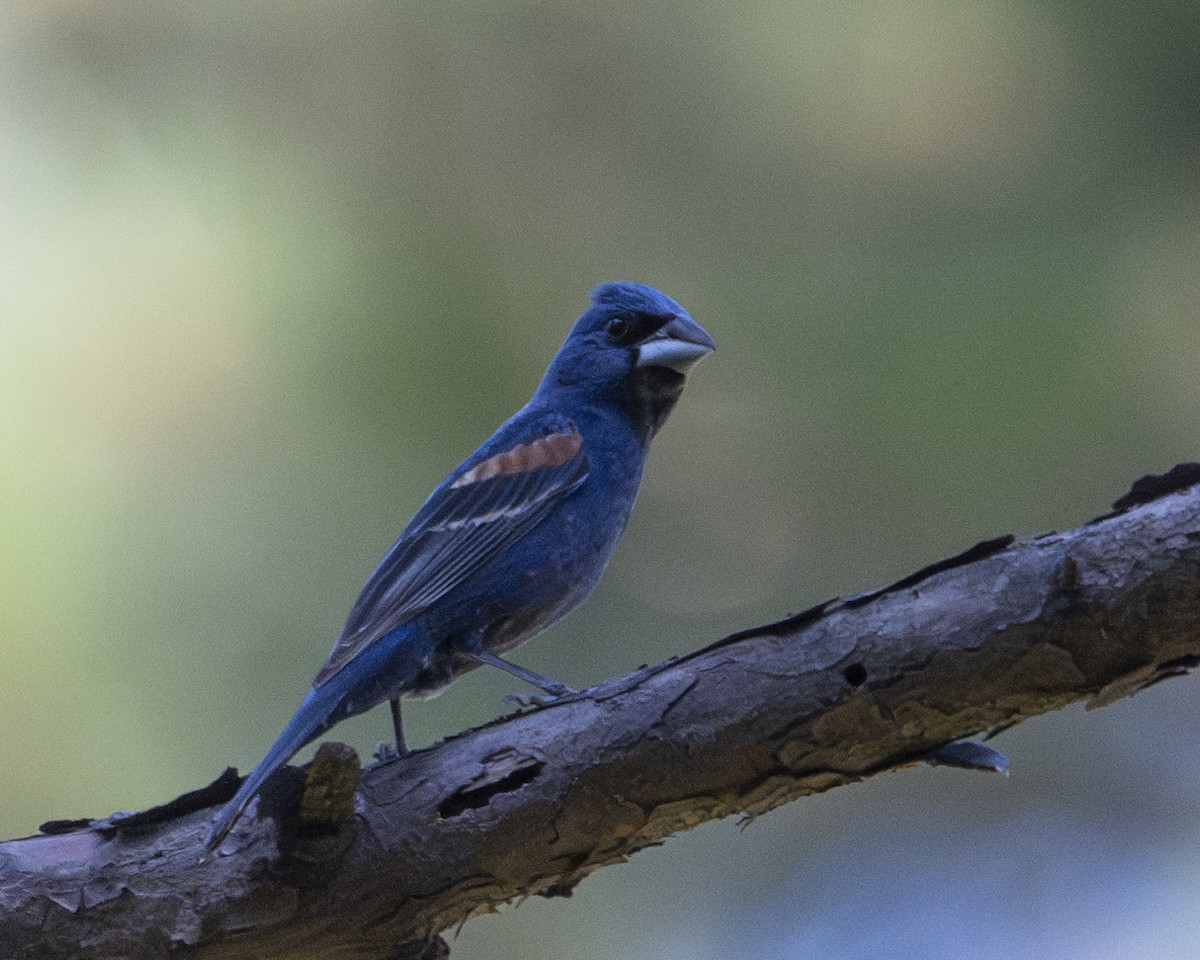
653	393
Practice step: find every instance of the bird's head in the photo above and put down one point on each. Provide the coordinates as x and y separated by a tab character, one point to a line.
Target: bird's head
634	347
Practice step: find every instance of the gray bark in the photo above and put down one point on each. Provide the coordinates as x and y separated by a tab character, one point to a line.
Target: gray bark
534	803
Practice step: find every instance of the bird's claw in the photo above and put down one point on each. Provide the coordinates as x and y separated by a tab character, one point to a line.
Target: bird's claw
385	752
529	701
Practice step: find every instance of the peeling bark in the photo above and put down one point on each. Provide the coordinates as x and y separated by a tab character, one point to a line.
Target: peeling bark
532	804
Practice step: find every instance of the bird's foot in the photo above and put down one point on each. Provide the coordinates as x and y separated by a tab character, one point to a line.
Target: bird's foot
530	701
386	752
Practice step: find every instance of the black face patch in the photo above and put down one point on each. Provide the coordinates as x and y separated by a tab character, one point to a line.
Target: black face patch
626	329
654	391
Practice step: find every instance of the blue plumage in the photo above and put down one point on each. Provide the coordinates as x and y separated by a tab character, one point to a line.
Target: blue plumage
517	535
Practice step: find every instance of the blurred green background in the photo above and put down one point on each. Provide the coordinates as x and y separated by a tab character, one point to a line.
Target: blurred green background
268	271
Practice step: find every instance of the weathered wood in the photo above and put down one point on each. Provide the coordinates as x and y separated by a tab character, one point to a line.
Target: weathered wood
532	804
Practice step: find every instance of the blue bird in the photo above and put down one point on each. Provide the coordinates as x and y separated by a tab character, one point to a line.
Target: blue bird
517	535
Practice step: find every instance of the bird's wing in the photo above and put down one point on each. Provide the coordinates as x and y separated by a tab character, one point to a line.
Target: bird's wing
486	507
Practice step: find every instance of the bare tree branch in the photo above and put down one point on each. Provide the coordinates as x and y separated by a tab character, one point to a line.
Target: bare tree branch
532	804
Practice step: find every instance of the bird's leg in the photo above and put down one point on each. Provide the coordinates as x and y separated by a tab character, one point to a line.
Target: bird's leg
398	726
385	752
552	687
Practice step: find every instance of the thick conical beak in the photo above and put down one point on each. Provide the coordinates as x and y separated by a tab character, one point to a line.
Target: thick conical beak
676	345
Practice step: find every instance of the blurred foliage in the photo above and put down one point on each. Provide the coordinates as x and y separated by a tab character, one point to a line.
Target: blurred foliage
268	271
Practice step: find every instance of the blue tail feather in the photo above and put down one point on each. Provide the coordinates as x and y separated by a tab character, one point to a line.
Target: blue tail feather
391	666
309	722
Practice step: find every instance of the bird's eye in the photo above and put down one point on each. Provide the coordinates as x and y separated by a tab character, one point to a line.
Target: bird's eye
618	329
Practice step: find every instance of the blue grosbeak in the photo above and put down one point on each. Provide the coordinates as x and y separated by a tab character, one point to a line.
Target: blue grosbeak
517	535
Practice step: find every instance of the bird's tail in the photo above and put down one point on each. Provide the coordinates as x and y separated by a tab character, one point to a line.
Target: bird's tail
313	718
